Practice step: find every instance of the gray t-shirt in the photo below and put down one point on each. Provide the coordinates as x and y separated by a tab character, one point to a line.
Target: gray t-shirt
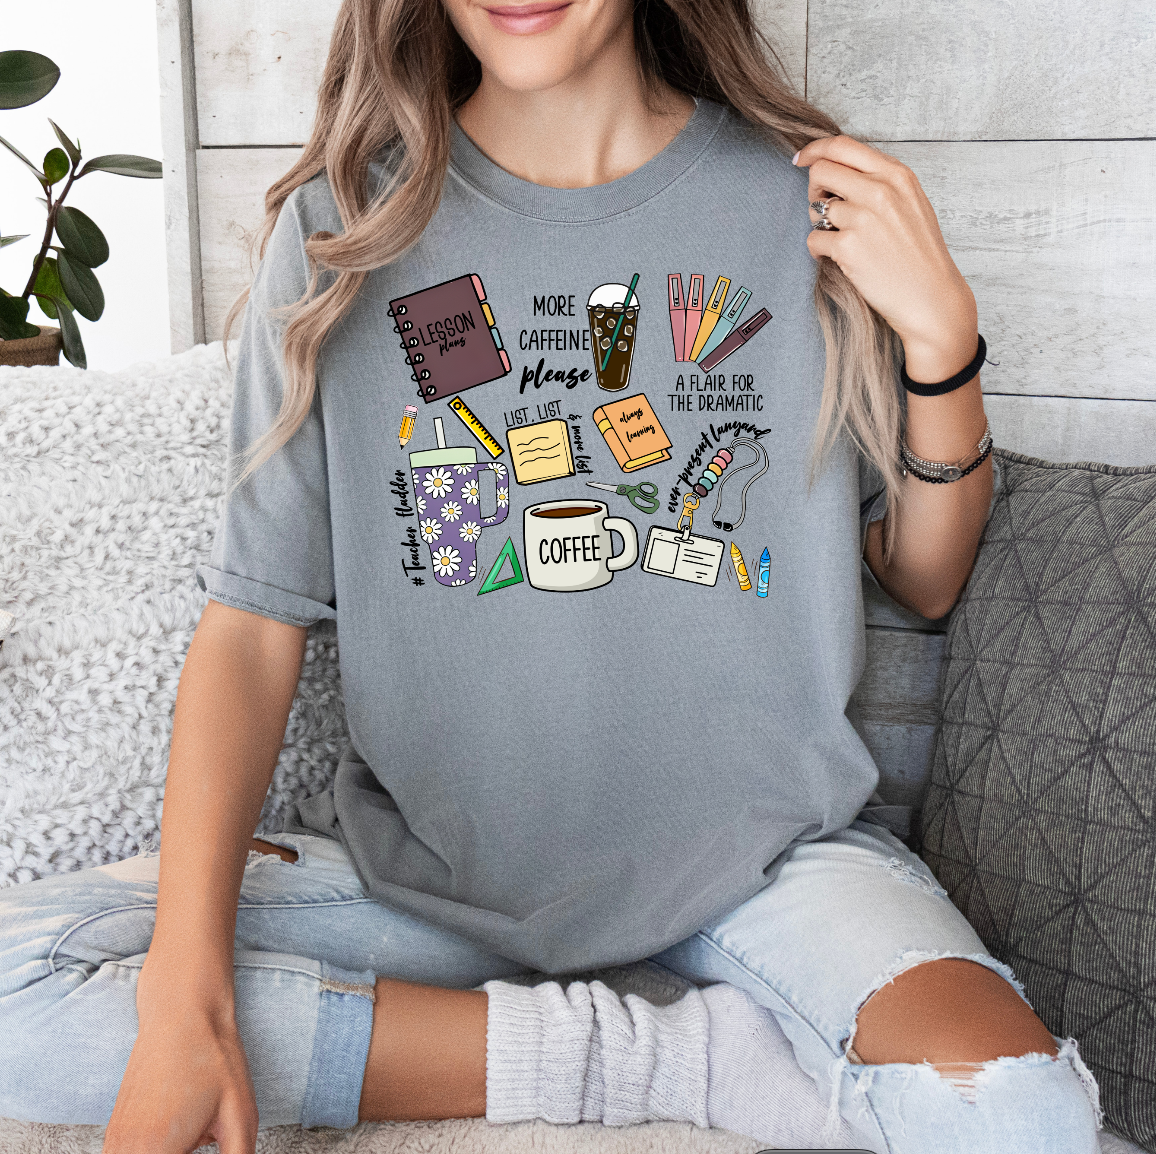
571	759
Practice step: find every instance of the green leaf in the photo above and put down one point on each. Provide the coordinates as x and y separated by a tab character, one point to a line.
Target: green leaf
48	286
13	326
81	237
124	164
5	241
20	156
70	334
81	286
73	150
25	78
55	165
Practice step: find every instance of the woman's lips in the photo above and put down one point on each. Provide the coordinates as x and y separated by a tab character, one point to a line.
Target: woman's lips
526	19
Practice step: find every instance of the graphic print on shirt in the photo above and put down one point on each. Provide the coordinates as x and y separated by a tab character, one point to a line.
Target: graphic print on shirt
706	332
568	542
449	336
568	547
448	500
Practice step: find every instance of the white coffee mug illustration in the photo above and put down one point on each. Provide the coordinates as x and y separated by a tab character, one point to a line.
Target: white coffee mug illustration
568	545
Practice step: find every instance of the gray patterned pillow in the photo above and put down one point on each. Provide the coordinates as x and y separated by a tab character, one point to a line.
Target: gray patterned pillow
1040	819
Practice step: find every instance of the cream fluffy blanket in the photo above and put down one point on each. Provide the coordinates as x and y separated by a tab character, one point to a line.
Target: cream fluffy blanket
110	484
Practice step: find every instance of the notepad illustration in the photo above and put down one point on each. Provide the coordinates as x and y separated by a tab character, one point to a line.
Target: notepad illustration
450	338
540	452
633	432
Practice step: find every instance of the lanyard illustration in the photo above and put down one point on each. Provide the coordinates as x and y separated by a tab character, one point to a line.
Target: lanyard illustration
712	477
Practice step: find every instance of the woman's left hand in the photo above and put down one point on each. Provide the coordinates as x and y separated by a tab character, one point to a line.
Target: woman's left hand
889	245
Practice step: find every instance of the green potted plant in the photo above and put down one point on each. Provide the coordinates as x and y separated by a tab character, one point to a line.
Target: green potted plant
61	277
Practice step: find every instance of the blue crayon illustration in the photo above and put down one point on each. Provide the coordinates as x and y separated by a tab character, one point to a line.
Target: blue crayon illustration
764	585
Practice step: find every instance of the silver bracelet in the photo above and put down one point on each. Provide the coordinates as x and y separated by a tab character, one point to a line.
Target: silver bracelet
939	471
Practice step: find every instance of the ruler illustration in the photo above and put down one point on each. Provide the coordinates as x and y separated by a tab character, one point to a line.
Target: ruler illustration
471	422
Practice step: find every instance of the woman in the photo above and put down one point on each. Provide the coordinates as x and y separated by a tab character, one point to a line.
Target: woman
656	764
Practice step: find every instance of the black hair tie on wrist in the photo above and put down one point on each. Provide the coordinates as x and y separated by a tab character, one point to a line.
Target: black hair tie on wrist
952	383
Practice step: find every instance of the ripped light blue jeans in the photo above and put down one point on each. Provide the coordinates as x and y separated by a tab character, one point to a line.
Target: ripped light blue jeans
839	918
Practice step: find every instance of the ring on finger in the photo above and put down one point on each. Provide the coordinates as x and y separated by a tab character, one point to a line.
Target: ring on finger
821	208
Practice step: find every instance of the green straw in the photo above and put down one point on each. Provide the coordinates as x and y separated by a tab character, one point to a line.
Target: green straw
618	326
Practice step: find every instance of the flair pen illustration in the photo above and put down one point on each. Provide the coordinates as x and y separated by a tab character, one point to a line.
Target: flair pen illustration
726	322
693	312
735	341
710	316
677	304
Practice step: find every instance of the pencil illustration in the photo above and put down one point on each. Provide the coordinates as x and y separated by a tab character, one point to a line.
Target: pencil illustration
409	417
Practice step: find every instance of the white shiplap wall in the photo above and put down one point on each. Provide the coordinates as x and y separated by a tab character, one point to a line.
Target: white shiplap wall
1032	127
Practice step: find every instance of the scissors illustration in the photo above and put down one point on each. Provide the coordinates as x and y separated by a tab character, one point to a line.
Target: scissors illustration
643	497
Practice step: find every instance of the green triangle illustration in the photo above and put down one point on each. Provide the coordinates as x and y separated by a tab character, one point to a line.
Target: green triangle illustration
508	553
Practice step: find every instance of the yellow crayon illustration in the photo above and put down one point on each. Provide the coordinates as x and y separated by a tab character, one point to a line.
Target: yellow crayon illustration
710	317
740	567
407	422
471	422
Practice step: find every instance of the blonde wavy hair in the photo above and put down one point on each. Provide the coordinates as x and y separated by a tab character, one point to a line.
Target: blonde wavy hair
396	72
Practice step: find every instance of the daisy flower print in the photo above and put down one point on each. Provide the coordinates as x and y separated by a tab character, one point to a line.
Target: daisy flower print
462	470
420	502
437	483
446	561
470	531
451	510
503	496
430	529
470	492
499	469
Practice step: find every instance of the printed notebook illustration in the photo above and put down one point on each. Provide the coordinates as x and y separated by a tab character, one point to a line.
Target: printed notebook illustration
633	433
541	452
450	338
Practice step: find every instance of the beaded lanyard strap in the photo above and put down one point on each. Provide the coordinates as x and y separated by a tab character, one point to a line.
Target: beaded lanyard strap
712	477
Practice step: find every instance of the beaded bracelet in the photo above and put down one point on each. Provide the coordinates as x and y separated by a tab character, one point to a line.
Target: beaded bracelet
938	472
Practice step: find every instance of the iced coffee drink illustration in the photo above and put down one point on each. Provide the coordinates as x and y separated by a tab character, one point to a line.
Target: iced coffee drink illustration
606	306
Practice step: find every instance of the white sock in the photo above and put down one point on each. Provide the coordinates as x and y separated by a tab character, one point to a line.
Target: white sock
585	1055
715	1058
756	1087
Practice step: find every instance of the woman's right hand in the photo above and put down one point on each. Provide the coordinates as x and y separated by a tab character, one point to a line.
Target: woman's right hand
187	1081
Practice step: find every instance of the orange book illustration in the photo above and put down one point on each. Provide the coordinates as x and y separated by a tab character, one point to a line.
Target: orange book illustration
633	432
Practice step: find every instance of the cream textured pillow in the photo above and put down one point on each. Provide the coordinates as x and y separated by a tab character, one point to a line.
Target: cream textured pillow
110	485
